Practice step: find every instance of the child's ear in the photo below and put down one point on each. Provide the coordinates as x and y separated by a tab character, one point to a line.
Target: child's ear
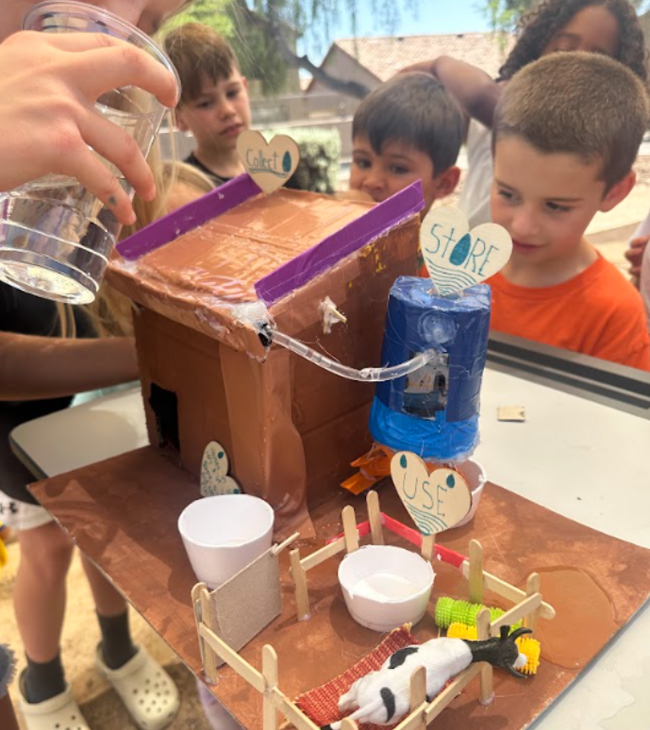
446	182
618	192
244	81
179	120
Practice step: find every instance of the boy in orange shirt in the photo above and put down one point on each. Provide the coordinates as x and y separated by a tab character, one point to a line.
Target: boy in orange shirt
566	134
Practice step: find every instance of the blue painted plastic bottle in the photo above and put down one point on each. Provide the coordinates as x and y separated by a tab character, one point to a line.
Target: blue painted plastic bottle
434	411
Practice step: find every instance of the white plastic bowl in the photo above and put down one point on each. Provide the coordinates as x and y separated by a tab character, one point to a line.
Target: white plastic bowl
224	533
474	475
385	586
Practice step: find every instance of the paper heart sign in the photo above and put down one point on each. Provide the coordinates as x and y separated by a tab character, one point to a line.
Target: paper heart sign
270	165
435	501
456	257
214	472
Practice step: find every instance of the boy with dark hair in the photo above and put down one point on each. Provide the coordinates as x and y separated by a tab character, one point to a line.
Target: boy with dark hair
214	104
407	129
566	133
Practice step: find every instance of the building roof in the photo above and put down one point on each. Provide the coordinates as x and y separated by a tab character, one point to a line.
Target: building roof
385	56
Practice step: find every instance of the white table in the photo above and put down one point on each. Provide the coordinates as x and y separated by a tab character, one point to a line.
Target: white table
585	456
75	437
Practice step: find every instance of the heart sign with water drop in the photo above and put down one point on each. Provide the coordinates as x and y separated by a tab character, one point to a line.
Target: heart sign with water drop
270	165
435	501
214	472
456	257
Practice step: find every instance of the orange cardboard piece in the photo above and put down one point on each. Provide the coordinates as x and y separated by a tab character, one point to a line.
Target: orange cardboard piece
290	429
141	552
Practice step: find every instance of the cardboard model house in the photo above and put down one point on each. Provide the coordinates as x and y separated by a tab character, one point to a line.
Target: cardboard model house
207	276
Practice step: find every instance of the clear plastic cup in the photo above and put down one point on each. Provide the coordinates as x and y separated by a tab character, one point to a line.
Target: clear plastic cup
56	237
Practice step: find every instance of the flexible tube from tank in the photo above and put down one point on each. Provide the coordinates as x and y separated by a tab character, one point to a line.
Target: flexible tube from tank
376	375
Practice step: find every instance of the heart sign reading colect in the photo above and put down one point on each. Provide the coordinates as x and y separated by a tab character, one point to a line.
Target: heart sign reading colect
270	165
435	501
456	257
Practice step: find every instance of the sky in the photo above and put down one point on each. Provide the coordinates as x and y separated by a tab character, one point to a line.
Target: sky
432	16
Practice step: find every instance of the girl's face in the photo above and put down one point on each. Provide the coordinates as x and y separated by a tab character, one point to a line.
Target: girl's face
148	15
593	29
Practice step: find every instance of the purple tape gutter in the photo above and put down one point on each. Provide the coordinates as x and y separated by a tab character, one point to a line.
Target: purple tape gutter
190	216
330	250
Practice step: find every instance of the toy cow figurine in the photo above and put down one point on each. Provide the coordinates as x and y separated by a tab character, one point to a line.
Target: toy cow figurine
383	696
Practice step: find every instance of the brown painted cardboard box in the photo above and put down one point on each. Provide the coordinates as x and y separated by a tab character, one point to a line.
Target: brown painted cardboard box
289	427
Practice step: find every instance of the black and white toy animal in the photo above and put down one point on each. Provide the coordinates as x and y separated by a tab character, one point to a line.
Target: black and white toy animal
383	696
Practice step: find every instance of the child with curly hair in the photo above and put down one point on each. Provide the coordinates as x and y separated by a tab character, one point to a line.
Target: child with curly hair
608	27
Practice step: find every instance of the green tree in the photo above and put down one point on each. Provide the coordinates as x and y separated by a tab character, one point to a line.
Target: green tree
207	12
264	33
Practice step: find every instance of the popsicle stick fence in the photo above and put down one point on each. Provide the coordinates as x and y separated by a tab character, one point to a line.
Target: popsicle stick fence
528	607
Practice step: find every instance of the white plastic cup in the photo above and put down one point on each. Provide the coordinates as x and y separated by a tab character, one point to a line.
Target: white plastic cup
474	475
56	237
385	587
225	533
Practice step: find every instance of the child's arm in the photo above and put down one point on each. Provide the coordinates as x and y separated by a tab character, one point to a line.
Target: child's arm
44	367
49	83
475	92
634	255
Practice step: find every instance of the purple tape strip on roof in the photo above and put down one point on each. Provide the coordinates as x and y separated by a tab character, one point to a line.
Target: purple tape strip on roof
190	216
330	250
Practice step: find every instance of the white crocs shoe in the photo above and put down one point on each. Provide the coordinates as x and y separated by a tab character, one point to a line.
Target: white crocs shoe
58	713
148	692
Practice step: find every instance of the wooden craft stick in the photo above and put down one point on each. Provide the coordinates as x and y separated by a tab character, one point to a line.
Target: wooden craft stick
532	586
300	581
233	659
350	534
449	693
209	659
293	714
475	571
486	694
374	517
517	613
323	554
428	547
348	724
196	609
277	549
483	624
418	690
413	721
492	583
270	674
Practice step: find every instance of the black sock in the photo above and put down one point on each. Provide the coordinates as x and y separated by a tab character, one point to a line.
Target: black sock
43	680
117	647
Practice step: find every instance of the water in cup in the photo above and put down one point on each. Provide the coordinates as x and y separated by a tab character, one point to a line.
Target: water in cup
56	237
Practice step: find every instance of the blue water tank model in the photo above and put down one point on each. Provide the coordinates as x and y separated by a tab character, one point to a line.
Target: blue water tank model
433	411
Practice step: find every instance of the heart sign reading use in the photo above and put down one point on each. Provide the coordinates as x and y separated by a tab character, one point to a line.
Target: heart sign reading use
435	501
270	165
456	257
214	472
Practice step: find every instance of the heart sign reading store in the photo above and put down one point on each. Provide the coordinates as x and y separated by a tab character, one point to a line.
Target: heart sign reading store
270	165
456	257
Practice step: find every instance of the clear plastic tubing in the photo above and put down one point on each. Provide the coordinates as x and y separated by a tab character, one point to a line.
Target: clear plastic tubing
365	375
